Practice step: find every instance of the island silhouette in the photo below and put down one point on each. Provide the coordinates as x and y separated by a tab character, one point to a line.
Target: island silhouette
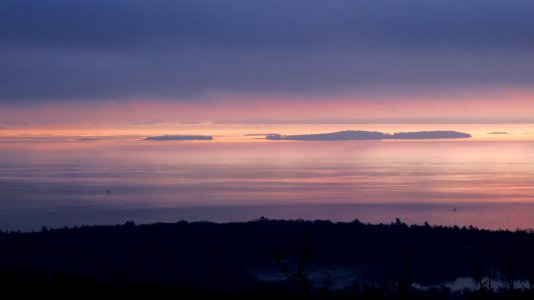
349	135
179	138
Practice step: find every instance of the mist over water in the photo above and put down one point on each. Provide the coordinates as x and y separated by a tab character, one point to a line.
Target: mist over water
483	183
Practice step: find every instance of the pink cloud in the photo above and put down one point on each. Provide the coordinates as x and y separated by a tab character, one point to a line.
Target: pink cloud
505	104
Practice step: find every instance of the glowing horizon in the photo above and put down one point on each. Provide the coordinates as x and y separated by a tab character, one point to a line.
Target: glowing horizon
84	82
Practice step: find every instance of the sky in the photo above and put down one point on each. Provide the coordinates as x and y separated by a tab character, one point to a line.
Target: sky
247	61
83	83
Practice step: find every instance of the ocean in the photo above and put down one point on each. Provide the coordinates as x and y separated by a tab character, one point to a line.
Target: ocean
484	181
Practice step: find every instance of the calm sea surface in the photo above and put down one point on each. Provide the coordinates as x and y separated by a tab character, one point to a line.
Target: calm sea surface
484	183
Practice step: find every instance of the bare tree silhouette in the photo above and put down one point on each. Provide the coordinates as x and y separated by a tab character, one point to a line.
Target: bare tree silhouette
299	275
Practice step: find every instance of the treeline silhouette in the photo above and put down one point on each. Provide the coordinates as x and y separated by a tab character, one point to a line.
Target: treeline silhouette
392	261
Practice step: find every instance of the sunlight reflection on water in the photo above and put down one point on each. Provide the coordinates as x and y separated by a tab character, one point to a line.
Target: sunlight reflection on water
489	183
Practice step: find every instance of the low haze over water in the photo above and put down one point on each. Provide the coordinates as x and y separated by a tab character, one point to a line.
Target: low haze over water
485	181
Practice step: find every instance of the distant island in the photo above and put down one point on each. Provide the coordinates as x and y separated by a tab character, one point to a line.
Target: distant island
498	132
179	138
351	135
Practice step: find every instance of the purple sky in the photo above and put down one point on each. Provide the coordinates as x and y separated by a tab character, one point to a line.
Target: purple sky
192	51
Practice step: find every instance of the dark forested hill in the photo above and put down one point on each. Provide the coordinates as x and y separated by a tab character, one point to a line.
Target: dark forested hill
237	257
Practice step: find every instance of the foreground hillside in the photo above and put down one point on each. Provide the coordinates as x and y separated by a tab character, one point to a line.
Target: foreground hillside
266	258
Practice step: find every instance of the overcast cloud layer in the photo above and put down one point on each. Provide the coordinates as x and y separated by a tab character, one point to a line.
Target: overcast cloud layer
186	50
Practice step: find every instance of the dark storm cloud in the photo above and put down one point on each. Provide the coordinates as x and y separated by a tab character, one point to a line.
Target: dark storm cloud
63	50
